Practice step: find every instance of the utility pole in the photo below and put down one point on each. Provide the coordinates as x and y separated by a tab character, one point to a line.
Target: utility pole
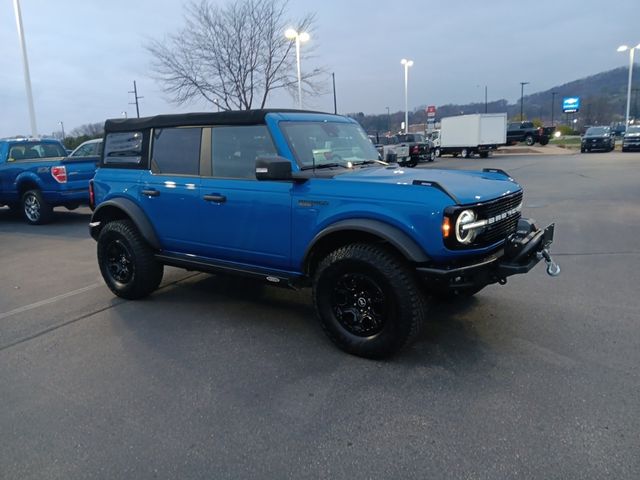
388	120
62	126
485	99
553	102
522	84
335	104
136	97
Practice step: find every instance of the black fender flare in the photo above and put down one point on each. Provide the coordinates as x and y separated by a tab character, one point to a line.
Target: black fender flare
406	245
131	210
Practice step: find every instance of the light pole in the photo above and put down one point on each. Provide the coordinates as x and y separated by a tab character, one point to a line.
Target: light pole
62	126
299	37
623	48
553	102
407	64
522	84
25	63
335	102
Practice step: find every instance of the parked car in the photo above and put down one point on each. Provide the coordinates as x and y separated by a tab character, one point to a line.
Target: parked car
528	133
300	199
598	138
631	140
90	148
411	149
618	129
35	177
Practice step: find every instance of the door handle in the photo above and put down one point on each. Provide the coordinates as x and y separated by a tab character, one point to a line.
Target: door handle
215	198
151	193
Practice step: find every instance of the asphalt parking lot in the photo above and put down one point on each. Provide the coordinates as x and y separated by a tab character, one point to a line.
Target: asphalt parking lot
218	378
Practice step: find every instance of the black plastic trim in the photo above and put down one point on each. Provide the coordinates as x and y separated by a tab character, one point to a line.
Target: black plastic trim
400	240
134	212
436	185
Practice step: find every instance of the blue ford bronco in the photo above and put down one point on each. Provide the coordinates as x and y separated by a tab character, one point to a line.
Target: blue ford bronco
301	199
36	175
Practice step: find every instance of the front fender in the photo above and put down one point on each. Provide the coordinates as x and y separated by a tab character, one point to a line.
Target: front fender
115	208
408	247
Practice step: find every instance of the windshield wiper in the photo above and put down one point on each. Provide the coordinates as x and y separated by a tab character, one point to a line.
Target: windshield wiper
369	162
323	165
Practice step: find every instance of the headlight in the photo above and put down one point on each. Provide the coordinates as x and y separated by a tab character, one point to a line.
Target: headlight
462	235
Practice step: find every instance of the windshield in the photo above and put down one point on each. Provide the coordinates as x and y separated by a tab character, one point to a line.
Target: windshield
29	150
597	131
322	143
634	129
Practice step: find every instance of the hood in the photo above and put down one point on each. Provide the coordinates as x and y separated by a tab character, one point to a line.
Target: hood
466	185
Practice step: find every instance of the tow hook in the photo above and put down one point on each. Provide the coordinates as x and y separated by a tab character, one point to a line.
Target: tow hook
553	269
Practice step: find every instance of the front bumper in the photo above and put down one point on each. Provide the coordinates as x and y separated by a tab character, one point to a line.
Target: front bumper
522	251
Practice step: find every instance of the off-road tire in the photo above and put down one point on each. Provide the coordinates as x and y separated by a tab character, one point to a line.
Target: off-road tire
35	209
126	261
398	297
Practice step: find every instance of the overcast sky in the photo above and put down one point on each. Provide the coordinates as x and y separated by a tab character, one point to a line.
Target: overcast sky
85	54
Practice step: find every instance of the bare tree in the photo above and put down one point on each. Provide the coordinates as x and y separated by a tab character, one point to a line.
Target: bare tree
233	56
91	130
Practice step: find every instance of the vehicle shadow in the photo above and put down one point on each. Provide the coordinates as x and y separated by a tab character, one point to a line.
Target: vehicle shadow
210	303
59	225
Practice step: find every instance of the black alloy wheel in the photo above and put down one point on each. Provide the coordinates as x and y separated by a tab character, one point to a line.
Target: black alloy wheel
119	262
127	263
368	300
359	304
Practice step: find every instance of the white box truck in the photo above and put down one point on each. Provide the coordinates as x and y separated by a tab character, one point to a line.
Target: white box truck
467	135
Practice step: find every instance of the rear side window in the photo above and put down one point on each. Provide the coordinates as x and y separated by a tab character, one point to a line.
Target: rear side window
123	148
176	151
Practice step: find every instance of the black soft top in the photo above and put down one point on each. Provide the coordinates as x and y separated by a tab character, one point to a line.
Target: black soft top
236	117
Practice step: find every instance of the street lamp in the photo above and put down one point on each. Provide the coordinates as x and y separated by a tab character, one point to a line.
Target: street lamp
522	84
623	48
407	64
299	37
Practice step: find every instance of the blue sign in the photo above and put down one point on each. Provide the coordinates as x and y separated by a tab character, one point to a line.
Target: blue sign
570	104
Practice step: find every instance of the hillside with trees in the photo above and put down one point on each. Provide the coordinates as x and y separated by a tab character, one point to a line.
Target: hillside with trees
602	96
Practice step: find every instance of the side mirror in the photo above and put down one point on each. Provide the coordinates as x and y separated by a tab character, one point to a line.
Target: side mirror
273	168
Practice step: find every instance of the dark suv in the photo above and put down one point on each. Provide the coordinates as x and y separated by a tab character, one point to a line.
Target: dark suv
598	138
300	199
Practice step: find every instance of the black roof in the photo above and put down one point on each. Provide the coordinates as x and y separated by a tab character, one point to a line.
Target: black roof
236	117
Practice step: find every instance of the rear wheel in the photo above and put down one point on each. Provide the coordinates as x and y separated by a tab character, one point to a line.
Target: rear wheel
126	261
35	209
464	153
368	300
544	141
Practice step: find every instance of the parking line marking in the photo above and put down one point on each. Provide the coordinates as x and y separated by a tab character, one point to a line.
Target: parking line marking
47	301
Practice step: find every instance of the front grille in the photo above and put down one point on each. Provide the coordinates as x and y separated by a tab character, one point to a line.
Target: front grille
500	229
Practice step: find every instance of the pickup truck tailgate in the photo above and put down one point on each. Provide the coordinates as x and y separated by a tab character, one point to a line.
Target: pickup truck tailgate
80	170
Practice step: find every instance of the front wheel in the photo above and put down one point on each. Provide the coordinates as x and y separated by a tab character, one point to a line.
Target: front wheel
529	140
368	300
464	153
35	208
438	153
126	261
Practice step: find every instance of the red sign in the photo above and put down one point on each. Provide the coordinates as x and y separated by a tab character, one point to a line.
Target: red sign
431	111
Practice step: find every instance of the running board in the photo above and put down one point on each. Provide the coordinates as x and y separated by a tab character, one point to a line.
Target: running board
211	266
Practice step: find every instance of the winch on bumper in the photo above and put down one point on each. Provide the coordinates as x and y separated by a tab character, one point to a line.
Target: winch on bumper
521	252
